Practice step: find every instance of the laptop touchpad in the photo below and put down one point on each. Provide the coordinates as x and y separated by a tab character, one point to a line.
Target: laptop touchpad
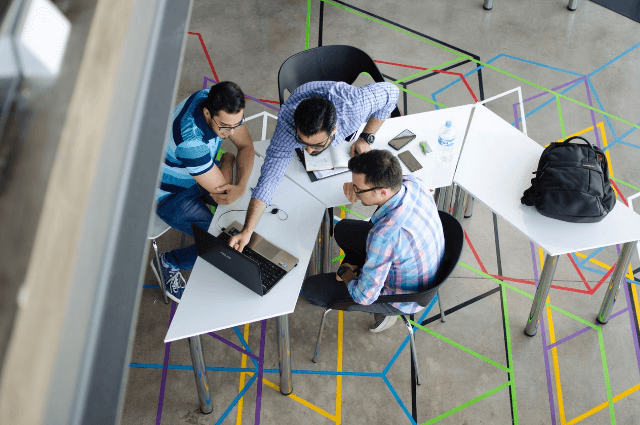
266	249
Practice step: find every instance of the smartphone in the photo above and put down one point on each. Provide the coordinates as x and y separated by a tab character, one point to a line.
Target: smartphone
401	140
410	161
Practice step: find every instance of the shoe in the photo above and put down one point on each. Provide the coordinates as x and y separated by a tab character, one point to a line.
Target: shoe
174	283
382	322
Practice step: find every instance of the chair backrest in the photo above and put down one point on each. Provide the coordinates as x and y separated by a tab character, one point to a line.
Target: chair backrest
453	244
327	63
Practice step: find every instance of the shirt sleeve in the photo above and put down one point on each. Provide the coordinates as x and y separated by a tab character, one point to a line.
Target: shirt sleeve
277	160
366	289
383	98
193	152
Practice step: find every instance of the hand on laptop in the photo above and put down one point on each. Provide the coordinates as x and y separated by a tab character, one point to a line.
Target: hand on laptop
349	192
226	194
239	241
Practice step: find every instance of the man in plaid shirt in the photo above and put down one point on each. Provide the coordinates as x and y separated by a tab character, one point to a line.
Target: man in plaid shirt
317	115
397	252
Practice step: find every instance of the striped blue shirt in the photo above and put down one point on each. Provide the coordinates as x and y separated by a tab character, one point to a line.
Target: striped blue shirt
404	247
354	106
192	147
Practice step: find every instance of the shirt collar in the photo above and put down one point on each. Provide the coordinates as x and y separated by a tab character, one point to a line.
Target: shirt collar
394	202
202	124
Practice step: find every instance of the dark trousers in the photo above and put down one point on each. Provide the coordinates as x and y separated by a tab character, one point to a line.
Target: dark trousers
323	289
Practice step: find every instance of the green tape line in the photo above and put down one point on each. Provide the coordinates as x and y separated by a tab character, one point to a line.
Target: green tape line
625	183
467	404
307	26
338	258
461	347
605	370
507	331
345	209
564	135
426	99
463	56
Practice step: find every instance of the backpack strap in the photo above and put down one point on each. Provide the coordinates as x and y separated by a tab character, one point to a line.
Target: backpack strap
530	195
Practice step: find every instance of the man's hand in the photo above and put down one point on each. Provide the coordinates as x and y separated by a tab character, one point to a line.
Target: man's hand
349	274
239	241
226	194
349	192
361	146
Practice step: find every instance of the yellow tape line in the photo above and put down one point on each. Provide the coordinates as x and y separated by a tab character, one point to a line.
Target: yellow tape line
242	377
300	400
338	417
604	405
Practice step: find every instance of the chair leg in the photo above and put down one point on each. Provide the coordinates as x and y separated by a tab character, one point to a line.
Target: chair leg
440	305
164	292
315	355
414	353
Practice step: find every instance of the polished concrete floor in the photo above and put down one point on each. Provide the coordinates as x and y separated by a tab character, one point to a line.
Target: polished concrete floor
478	367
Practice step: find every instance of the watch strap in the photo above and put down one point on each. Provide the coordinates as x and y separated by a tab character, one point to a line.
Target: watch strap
367	137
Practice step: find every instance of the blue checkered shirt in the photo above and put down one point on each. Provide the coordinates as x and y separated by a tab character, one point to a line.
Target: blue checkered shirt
354	106
404	247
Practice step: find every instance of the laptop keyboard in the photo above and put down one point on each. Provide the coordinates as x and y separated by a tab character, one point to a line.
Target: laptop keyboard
270	274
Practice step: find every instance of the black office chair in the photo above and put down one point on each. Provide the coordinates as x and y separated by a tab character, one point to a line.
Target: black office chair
327	63
453	244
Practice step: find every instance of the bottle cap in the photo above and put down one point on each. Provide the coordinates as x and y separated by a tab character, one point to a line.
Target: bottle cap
448	124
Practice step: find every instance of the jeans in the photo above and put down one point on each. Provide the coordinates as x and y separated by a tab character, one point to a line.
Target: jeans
323	289
179	211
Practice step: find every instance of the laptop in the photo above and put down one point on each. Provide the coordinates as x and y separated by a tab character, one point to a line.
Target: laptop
260	265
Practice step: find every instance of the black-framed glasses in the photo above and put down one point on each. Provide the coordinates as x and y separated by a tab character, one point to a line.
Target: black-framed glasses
317	148
225	129
358	192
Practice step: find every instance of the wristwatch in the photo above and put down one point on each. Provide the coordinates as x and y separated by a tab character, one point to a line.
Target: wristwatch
367	137
347	273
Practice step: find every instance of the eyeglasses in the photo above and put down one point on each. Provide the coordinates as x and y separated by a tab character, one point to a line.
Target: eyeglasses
225	129
358	192
317	148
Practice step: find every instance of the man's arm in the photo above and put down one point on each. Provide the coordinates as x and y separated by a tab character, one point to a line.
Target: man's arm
382	99
366	288
225	194
254	212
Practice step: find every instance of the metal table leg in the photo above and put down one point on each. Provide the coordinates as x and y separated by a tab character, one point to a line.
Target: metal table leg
550	263
573	5
488	4
616	281
326	242
460	203
284	354
469	211
200	372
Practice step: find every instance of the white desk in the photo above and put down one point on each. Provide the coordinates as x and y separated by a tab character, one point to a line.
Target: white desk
213	301
495	167
424	125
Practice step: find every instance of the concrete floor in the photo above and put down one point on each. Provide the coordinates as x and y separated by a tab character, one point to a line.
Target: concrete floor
478	367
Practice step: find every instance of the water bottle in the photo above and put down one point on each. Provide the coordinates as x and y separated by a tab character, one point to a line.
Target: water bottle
446	140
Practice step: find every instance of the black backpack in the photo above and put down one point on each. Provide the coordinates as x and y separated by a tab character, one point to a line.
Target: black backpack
571	183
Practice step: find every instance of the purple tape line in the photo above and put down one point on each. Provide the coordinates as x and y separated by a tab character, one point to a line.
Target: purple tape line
545	349
516	116
263	331
234	346
634	331
209	80
583	330
165	365
593	115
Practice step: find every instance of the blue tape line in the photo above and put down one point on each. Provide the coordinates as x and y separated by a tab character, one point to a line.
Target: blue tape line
613	60
606	118
590	256
623	143
151	286
245	345
328	372
395	395
238	397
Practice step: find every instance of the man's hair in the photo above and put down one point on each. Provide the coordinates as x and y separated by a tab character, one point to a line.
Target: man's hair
315	114
224	96
380	169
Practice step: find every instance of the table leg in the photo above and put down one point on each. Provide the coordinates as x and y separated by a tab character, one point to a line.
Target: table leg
444	198
200	372
469	211
326	241
572	5
617	277
460	204
539	300
284	354
488	4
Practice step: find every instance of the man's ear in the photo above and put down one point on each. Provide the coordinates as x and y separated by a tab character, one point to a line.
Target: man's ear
205	112
334	130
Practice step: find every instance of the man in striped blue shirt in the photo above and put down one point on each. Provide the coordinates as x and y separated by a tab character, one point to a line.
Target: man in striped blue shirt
191	175
317	115
397	252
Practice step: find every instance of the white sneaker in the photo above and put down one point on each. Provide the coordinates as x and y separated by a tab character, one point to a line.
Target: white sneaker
382	322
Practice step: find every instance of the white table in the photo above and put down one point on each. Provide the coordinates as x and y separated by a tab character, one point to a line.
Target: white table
213	301
424	125
495	167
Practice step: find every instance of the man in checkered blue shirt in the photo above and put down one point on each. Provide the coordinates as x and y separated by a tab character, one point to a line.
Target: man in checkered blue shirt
397	252
317	115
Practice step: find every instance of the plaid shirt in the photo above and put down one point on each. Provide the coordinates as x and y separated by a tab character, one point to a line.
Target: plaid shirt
354	106
404	247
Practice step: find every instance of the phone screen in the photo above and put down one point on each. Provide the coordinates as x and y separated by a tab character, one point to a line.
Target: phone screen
410	161
401	140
